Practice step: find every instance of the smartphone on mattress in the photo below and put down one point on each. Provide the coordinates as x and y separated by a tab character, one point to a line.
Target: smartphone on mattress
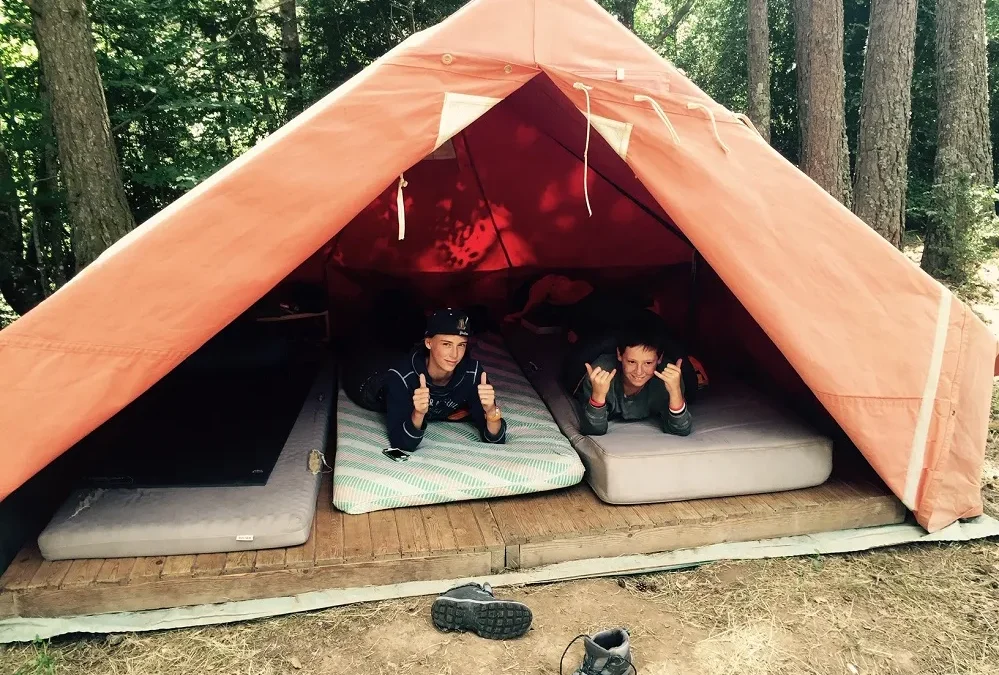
395	454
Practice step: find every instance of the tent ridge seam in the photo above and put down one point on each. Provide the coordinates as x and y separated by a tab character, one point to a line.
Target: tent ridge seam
464	74
83	347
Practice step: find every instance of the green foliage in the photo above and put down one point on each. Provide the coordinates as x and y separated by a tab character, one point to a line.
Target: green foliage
923	128
340	38
43	662
964	217
7	314
856	17
992	32
711	49
785	133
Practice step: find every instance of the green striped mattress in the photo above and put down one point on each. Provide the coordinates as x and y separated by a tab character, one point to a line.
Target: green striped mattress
452	463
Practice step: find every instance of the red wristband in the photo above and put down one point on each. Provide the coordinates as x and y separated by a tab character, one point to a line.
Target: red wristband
597	405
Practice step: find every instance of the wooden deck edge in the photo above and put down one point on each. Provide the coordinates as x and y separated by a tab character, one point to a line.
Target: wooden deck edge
190	590
870	512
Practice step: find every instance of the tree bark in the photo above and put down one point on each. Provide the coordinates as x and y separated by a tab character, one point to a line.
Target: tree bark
18	278
821	95
885	110
291	58
758	48
802	62
964	143
48	194
258	47
98	208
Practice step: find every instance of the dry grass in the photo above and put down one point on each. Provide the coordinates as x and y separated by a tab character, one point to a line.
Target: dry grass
916	609
933	607
990	471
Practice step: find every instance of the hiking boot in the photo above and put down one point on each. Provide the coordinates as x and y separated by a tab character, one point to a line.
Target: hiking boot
474	608
607	653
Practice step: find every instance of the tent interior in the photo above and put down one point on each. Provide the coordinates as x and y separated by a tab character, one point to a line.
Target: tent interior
499	206
503	204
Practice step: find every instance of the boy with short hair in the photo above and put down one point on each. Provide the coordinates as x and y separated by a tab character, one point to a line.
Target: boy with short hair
629	385
437	380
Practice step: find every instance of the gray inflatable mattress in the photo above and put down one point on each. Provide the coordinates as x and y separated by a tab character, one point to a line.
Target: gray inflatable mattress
112	523
741	443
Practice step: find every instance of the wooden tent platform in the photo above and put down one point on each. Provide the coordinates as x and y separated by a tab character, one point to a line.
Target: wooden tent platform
466	539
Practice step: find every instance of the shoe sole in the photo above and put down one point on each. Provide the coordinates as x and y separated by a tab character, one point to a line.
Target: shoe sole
493	619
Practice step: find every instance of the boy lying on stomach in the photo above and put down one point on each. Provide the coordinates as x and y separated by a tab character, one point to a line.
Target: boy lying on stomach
438	379
628	385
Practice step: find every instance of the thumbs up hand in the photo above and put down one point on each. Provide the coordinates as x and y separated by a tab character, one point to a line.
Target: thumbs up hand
421	397
487	396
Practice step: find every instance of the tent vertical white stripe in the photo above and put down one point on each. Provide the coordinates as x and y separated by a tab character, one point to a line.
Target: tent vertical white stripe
918	454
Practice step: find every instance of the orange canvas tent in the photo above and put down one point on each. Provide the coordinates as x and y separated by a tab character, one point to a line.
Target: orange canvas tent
902	366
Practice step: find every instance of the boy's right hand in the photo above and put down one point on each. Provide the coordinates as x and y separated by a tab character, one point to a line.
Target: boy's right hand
421	397
600	381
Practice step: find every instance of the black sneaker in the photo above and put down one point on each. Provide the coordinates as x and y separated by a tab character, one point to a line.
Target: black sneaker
474	608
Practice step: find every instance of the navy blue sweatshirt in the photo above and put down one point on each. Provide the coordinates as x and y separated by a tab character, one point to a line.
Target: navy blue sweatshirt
462	392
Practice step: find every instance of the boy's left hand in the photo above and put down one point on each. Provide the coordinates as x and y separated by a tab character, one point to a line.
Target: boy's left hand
487	396
671	376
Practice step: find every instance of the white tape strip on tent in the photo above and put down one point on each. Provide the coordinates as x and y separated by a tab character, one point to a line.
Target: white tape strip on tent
917	456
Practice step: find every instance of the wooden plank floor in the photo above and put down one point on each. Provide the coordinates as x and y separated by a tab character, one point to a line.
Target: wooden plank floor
573	524
465	539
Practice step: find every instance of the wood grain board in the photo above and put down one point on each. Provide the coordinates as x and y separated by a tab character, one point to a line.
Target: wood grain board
440	541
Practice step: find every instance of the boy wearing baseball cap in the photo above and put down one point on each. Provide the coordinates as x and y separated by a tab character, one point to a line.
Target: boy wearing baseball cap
437	380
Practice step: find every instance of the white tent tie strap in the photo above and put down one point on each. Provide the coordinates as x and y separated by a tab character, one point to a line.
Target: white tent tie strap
586	150
714	123
662	115
400	203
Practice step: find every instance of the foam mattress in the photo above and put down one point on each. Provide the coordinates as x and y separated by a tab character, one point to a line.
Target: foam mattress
109	523
740	444
452	463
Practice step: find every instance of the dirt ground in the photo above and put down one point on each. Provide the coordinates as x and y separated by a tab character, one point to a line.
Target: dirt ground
919	609
906	610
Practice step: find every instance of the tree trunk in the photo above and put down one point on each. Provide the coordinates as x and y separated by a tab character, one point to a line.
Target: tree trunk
759	66
885	109
18	278
49	195
259	52
679	16
822	91
801	63
98	208
964	144
291	58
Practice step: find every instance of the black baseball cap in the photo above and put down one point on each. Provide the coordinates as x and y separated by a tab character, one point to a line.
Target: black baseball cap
448	322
